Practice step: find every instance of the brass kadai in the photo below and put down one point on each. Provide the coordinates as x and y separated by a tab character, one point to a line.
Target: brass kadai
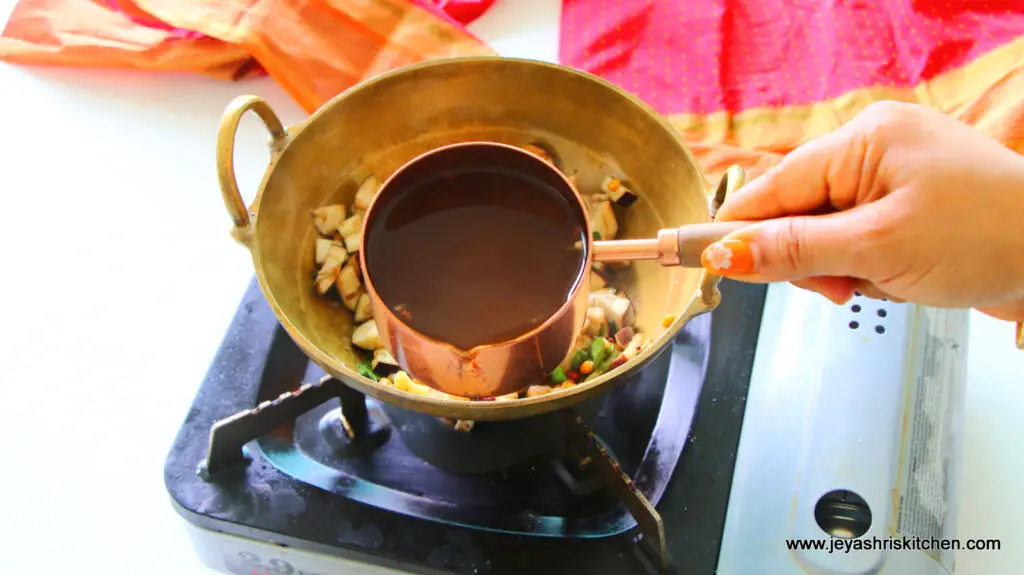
373	129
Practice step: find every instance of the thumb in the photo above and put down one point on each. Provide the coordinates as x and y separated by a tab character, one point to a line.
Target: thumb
797	247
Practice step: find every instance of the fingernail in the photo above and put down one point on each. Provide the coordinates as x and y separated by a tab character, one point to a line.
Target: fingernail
728	257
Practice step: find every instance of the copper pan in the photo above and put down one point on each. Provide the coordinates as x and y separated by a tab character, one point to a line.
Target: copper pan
502	368
373	129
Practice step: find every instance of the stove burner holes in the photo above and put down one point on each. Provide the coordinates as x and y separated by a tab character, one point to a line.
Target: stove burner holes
881	312
843	514
880	329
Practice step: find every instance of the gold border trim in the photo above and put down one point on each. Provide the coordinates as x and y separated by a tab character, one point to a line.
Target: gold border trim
986	88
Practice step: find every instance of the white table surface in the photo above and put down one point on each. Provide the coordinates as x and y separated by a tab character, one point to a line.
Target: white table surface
119	279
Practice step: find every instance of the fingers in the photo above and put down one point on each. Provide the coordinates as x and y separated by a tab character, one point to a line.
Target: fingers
1013	311
825	172
870	290
800	247
838	290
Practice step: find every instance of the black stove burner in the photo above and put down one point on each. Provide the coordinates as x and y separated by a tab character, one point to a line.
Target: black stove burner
536	504
487	447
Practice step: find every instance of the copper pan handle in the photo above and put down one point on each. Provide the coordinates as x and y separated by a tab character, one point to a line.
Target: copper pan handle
226	157
684	245
680	246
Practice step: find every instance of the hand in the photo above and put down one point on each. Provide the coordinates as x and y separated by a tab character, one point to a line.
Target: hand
901	203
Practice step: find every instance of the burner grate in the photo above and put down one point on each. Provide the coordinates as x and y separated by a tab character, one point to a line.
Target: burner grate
306	485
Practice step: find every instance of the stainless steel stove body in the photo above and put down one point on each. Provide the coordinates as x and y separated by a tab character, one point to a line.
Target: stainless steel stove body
850	426
853	428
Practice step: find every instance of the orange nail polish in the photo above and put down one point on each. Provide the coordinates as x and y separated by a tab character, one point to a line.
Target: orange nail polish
728	258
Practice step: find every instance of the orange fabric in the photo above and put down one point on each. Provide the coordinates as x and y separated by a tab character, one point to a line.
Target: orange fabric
114	34
313	48
986	93
317	48
768	76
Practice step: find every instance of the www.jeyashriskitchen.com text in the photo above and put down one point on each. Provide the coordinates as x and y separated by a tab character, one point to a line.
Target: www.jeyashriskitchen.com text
836	545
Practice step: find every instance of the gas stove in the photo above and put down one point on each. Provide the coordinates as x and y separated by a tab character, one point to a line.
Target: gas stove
279	469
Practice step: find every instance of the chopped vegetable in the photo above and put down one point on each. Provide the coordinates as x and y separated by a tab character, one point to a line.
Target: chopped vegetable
353	260
328	273
351	232
624	336
353	243
366	336
558	376
580	356
405	383
363	309
327	218
618	192
668	320
322	245
463	425
599	350
366	193
365	369
352	301
351	226
383	362
602	355
596	281
583	342
602	220
595	320
617	309
600	368
538	390
632	349
596	235
586	367
324	282
348	280
336	254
